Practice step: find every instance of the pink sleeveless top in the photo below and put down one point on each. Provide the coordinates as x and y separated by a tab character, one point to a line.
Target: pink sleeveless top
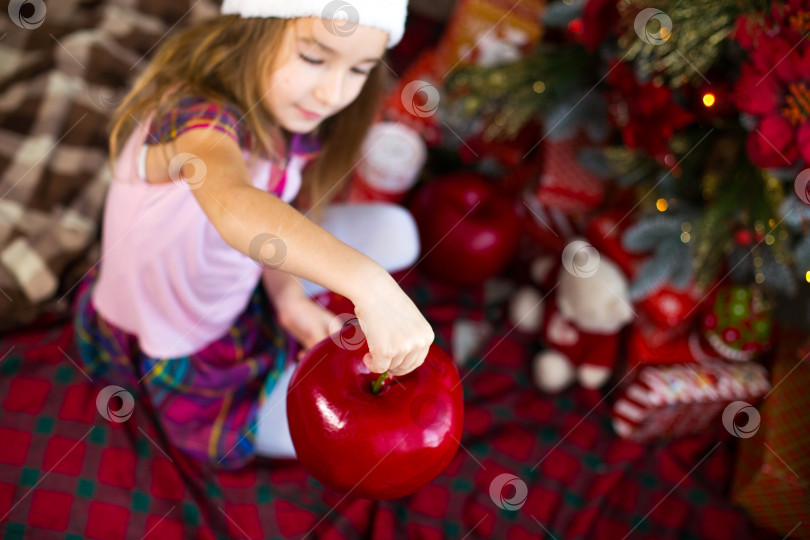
166	275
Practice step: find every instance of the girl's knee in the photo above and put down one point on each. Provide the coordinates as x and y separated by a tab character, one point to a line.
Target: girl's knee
385	232
398	245
405	234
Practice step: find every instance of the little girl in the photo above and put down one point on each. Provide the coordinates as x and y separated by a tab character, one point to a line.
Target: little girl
197	306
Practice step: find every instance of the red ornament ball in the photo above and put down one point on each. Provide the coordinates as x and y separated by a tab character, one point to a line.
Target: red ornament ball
743	237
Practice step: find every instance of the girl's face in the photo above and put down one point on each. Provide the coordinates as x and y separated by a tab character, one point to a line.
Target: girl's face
317	73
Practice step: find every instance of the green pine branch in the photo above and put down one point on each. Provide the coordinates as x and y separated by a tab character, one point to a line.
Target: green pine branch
511	95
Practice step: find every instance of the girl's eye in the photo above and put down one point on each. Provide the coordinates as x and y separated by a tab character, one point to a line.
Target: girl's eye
318	62
309	60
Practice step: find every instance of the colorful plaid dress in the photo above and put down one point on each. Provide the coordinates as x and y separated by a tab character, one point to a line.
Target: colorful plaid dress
206	402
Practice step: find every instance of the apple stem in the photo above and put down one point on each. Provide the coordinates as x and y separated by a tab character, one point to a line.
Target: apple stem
375	387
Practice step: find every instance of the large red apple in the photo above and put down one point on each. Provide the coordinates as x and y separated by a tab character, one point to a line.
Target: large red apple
469	232
379	446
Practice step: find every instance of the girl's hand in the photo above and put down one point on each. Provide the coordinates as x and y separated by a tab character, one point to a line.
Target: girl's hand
305	319
397	333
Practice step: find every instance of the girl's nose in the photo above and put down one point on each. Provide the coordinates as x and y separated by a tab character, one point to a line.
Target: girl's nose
330	89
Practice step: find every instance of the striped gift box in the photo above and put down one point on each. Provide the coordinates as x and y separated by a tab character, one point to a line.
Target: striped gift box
682	399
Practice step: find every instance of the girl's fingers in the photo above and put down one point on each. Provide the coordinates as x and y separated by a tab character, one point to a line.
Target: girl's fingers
376	365
402	364
411	362
399	368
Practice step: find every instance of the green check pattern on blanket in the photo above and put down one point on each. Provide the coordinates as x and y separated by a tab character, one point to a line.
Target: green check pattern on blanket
66	472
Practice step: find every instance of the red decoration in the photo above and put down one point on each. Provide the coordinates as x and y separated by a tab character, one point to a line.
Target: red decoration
468	231
521	157
565	184
599	17
774	85
664	331
644	112
605	232
413	100
743	237
379	446
670	308
649	346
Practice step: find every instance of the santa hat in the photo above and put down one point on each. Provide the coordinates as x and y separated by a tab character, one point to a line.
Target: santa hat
388	15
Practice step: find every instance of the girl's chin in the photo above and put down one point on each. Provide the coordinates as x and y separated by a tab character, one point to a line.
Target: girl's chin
302	127
297	122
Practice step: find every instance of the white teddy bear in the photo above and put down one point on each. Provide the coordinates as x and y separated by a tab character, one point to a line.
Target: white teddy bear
578	320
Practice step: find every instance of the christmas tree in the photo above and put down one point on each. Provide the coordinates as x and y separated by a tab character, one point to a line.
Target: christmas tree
699	110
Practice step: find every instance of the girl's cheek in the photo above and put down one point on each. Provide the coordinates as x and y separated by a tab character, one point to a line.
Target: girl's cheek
298	79
354	91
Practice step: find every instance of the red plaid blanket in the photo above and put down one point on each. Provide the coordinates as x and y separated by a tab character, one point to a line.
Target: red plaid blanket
66	472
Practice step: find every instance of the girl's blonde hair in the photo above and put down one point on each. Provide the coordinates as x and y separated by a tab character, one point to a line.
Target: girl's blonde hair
223	60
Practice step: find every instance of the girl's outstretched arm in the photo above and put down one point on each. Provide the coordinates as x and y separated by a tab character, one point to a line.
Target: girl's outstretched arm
267	229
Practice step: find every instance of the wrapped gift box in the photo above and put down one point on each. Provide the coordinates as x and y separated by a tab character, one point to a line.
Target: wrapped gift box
773	468
676	400
487	31
565	183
